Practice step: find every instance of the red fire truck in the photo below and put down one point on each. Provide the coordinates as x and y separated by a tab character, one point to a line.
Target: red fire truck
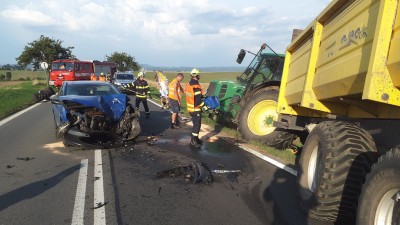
66	69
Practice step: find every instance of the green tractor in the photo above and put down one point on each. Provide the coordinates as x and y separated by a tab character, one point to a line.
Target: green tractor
250	103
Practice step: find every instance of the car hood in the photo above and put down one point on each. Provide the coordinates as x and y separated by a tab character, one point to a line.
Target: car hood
112	105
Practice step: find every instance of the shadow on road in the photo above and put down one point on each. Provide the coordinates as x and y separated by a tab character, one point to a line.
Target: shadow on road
34	189
158	122
282	193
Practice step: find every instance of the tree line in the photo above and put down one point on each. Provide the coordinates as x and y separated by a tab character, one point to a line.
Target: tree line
47	49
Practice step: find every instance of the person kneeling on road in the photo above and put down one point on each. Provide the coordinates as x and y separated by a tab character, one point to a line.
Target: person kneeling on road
142	90
194	102
174	96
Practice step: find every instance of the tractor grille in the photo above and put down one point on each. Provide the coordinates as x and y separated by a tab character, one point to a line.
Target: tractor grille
211	89
223	90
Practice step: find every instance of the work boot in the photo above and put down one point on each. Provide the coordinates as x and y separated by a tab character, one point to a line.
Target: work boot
194	143
199	141
173	126
177	124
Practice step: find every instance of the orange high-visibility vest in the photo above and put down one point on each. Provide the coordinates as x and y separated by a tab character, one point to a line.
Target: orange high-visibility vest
102	78
93	77
192	105
171	91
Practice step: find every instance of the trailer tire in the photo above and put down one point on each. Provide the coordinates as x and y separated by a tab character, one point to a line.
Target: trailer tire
378	203
253	114
334	162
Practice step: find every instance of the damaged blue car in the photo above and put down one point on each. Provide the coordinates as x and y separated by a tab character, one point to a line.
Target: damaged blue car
93	112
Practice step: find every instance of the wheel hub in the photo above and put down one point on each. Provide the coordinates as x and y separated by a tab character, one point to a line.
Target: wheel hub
314	169
388	210
261	117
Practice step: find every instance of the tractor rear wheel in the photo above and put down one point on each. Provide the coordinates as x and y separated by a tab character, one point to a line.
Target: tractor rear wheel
256	120
333	164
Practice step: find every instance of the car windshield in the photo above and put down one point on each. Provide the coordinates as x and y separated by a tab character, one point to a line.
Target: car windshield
88	89
125	76
62	66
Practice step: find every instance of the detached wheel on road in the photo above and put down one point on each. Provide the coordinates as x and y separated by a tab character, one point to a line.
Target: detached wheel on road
332	168
380	197
257	117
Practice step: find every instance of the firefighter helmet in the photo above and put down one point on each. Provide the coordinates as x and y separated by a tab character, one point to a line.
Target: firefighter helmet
195	72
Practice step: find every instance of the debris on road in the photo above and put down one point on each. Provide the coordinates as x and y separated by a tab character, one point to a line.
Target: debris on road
10	166
99	205
159	190
226	171
25	158
43	94
195	172
232	177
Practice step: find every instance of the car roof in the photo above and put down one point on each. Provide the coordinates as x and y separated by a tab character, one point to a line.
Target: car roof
86	82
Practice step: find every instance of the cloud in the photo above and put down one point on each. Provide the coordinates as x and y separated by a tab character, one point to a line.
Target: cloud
26	16
188	29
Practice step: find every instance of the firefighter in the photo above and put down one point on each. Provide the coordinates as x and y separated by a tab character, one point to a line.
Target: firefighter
142	90
108	78
93	77
194	102
102	77
174	98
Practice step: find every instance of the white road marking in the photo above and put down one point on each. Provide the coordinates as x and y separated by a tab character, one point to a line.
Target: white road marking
17	114
99	213
155	103
268	159
79	206
259	155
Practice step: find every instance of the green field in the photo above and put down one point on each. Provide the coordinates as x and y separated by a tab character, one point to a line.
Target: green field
16	97
24	74
204	77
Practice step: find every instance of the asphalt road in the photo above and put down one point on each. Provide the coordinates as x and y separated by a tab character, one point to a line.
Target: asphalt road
59	185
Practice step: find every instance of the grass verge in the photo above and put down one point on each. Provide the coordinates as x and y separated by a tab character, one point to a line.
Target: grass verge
286	155
17	97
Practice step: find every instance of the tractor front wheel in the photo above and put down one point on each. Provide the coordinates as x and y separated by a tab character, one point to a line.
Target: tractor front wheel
257	117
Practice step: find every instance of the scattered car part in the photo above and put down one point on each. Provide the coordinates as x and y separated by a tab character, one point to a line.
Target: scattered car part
25	158
195	172
43	94
226	171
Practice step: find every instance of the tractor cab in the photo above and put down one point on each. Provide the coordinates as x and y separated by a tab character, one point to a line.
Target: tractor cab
266	66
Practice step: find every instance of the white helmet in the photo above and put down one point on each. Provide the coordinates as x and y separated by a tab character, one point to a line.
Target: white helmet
195	72
140	74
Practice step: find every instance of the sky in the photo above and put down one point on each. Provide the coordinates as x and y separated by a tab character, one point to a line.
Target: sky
198	33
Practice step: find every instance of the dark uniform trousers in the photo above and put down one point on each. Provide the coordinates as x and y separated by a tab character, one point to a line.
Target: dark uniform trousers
196	119
144	101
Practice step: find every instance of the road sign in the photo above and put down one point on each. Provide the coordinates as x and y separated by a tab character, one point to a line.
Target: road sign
44	65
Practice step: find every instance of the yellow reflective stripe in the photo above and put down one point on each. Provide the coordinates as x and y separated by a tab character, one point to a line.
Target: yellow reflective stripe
189	105
194	134
201	104
197	93
142	87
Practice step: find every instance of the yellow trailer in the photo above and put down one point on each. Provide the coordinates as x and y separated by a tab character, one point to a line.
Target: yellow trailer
341	81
